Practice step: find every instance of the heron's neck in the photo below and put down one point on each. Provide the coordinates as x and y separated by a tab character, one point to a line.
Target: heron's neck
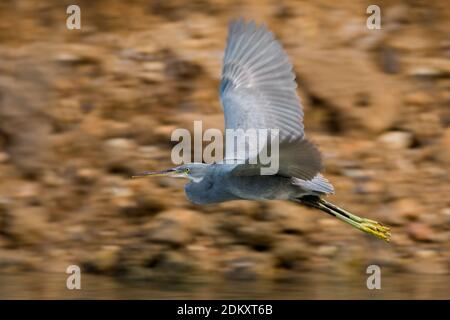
196	179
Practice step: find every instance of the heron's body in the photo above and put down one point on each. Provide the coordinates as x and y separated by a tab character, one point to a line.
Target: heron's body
258	91
219	185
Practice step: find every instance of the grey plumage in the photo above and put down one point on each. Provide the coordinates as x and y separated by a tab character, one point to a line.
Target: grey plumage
216	183
258	88
258	91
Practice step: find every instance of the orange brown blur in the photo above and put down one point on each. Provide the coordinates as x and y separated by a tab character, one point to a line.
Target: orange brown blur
82	110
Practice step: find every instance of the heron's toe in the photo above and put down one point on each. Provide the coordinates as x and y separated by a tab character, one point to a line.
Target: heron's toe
377	229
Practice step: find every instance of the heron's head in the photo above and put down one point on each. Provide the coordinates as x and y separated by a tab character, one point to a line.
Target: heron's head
193	171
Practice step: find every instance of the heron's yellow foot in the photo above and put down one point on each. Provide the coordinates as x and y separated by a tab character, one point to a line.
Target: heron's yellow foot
366	225
377	229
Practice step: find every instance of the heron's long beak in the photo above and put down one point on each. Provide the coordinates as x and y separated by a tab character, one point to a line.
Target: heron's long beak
167	172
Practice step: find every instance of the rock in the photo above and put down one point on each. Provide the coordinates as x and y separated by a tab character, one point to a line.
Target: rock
119	155
432	219
77	54
4	157
140	52
14	261
398	13
105	260
446	214
247	266
29	226
357	173
407	208
151	152
69	112
443	151
327	251
230	224
420	232
327	223
121	192
370	103
410	43
372	187
419	98
442	237
163	133
156	262
258	235
351	31
153	72
388	60
5	217
120	144
139	207
427	262
424	72
245	208
183	70
51	179
430	68
390	217
175	227
27	191
401	239
426	254
397	139
105	128
170	232
289	253
87	175
152	66
171	263
292	218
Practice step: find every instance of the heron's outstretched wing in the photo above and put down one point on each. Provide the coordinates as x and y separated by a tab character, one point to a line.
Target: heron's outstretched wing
258	91
297	158
258	88
318	184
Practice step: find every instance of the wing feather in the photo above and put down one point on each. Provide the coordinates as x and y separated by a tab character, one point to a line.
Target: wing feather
300	159
318	184
258	91
257	79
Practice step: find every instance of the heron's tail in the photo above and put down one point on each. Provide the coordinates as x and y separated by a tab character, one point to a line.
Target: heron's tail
369	226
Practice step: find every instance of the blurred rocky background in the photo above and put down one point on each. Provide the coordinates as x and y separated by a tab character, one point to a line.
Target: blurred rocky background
81	110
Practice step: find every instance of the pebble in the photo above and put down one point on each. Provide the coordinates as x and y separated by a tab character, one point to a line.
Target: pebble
397	139
420	232
4	157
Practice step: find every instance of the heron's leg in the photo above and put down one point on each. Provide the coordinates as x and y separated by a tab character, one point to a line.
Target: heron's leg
366	225
348	214
369	226
364	222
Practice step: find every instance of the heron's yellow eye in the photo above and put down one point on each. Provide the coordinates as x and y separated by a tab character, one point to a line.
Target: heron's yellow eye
187	170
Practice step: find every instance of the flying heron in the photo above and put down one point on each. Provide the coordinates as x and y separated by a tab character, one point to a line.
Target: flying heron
258	90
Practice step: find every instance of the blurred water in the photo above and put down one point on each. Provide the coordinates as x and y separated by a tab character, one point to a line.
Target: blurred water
309	286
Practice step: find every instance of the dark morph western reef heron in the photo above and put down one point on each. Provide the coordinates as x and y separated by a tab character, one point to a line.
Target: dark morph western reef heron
258	90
